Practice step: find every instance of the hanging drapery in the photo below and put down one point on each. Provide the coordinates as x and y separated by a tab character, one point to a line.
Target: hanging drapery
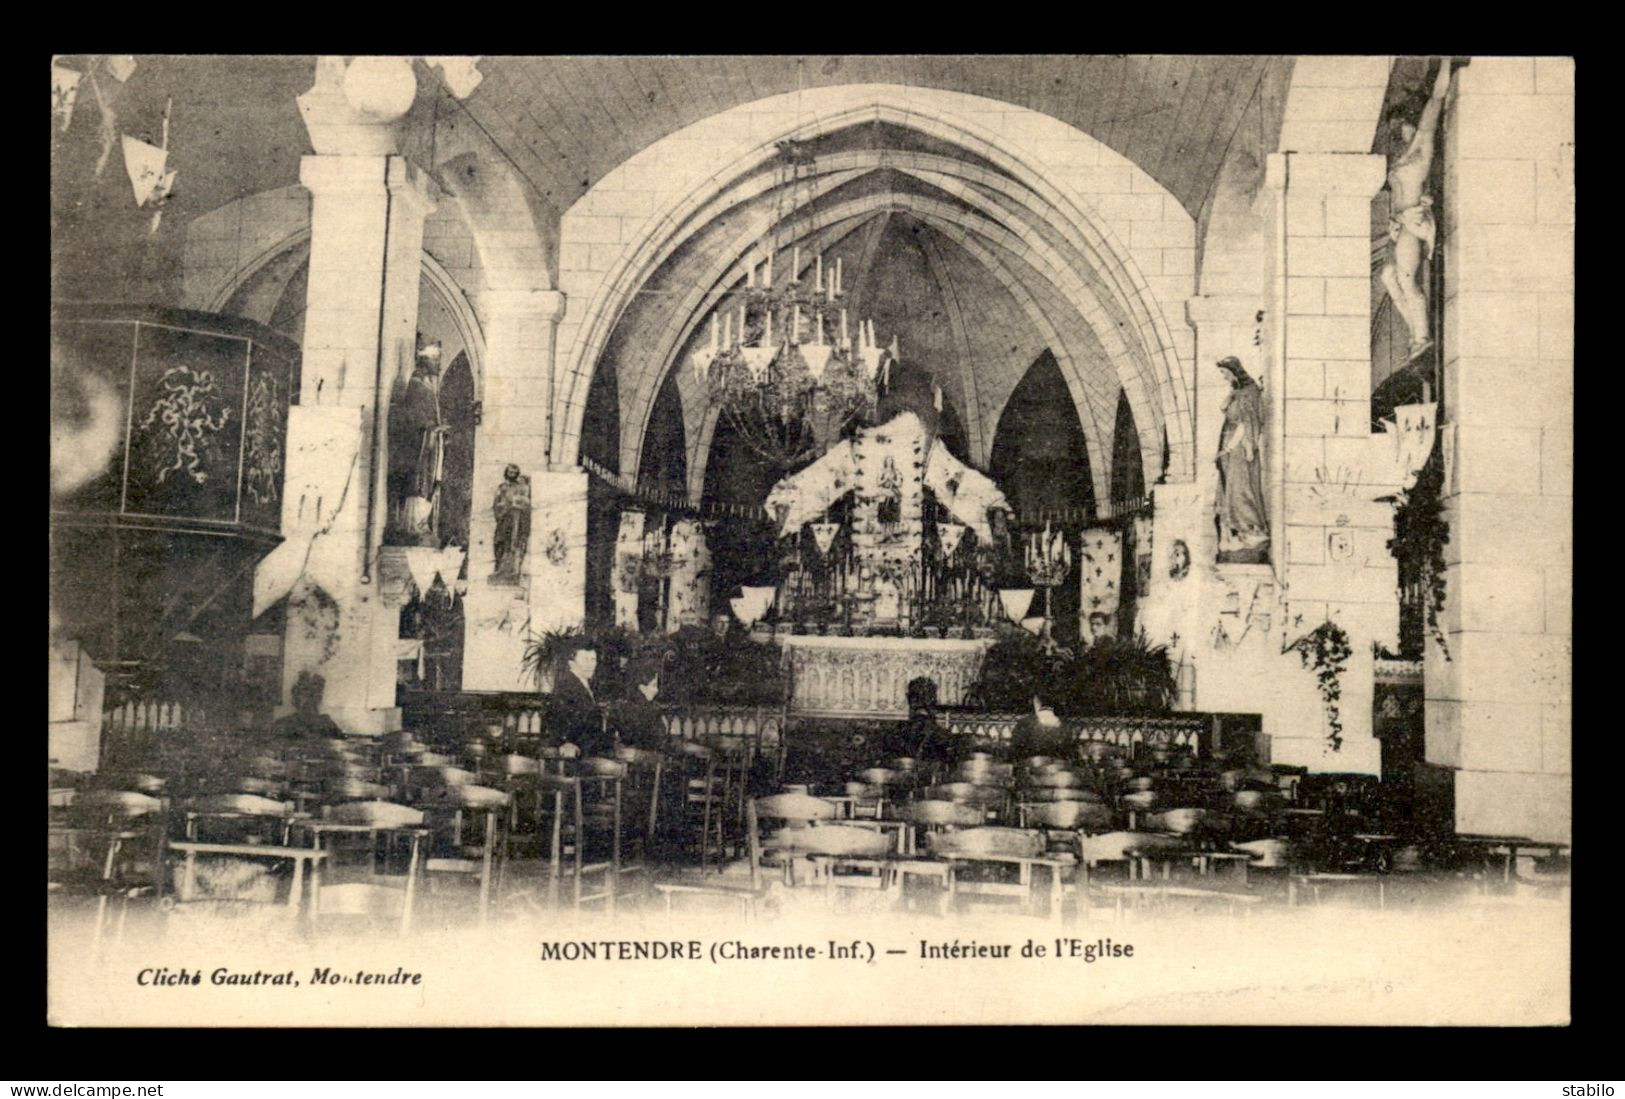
1102	576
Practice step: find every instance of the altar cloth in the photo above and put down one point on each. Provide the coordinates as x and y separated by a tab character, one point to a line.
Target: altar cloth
868	676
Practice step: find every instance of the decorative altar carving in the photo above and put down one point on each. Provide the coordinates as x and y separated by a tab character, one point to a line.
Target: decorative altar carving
858	676
892	569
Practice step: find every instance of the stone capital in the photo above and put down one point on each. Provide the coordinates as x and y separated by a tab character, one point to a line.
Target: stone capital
545	305
356	109
362	176
1326	173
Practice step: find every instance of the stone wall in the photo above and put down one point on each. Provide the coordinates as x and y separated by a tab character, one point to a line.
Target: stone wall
1498	708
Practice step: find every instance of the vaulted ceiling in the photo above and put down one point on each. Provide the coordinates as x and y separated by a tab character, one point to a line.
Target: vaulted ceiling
563	122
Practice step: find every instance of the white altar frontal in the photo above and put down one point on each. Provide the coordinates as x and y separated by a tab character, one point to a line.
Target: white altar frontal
868	676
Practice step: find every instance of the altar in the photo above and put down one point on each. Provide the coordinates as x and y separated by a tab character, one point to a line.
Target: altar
868	676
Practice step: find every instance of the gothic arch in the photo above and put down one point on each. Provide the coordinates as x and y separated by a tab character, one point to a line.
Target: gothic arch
1057	166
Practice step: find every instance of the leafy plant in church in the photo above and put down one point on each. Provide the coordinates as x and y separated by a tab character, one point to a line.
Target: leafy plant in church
1326	648
1420	534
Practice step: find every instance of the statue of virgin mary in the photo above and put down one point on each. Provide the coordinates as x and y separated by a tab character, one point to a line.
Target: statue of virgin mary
1244	532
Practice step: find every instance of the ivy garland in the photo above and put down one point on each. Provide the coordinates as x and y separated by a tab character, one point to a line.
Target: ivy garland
1327	646
1420	535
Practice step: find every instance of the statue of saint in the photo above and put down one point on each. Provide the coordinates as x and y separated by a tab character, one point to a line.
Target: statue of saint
1244	533
512	535
417	452
1412	230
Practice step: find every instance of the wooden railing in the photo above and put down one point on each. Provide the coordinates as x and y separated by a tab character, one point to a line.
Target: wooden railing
1198	732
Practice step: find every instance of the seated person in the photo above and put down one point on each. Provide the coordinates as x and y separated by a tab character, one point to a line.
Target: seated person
636	719
922	737
573	714
307	719
1041	733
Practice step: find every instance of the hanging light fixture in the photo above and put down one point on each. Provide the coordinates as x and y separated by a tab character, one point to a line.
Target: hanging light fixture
784	362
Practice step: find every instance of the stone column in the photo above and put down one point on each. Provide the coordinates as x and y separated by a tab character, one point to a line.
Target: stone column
366	239
550	593
1326	471
1498	705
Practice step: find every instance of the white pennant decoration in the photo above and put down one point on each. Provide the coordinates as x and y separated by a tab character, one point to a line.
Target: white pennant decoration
145	165
949	536
816	356
1416	432
64	91
421	562
461	74
121	65
824	535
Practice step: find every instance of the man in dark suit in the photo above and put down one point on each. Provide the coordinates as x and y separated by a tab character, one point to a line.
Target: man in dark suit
574	717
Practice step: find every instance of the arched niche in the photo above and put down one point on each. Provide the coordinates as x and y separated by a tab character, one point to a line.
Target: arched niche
1040	460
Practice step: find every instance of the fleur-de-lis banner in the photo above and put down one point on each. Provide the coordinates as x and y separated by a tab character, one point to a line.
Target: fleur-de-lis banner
145	165
64	91
1417	426
1102	570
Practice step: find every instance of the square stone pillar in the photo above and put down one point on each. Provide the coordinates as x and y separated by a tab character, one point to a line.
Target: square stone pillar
366	241
1498	705
1327	472
550	593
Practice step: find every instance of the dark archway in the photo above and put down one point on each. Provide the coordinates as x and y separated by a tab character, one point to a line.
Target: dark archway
1040	460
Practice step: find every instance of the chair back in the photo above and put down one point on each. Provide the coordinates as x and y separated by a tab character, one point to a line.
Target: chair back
968	793
1054	777
424	775
125	780
102	807
238	805
599	767
1114	846
349	789
1085	816
638	757
1140	799
376	814
987	841
512	765
795	807
1178	821
1270	853
841	840
463	796
943	814
984	772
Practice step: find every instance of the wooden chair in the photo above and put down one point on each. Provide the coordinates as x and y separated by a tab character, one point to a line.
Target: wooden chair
374	820
994	850
455	813
796	830
697	803
108	844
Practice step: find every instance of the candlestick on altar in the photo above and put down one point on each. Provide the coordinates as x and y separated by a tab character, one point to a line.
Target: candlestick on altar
795	264
838	287
767	333
795	324
844	340
714	334
818	272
